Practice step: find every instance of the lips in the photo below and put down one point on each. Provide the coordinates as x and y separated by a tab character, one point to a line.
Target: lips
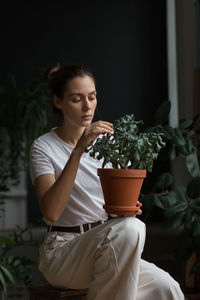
87	117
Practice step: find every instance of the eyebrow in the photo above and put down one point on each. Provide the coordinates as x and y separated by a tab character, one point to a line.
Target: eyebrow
80	94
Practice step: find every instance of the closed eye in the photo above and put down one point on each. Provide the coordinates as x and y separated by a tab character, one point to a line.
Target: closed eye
92	98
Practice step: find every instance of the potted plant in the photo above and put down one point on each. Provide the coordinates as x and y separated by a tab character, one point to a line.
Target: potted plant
23	117
180	207
15	270
131	153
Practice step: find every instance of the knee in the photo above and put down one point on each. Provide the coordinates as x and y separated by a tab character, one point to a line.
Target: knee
167	287
133	227
130	230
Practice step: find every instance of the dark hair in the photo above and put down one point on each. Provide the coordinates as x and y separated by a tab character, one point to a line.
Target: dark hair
58	77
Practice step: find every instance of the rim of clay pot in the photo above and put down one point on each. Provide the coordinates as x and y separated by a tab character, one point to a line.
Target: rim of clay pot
119	208
123	210
122	172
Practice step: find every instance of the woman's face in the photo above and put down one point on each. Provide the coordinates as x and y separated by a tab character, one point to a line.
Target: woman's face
79	101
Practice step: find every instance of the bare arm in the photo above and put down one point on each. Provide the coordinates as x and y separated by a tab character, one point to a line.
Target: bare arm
52	194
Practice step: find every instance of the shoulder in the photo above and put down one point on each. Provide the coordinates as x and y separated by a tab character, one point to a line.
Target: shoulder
45	138
50	145
44	141
40	159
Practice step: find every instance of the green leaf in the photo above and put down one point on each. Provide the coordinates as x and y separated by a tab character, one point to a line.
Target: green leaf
177	208
192	164
178	137
168	132
158	202
193	188
162	113
175	221
163	181
5	240
3	285
184	124
182	196
166	201
8	274
170	198
186	149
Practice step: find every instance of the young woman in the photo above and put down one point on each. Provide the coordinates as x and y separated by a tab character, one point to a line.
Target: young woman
83	249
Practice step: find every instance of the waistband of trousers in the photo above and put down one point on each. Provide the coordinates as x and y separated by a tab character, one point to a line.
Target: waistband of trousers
76	229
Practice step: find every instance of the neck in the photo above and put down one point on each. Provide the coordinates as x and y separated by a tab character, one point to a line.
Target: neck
68	134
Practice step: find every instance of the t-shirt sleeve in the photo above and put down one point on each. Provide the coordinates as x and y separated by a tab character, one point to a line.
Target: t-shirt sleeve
40	163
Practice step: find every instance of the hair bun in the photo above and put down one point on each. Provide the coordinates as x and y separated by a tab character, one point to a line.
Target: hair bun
51	71
57	77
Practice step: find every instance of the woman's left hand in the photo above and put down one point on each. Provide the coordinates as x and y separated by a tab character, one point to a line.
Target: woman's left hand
139	204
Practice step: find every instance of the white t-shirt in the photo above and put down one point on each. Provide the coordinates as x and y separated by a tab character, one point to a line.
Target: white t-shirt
49	155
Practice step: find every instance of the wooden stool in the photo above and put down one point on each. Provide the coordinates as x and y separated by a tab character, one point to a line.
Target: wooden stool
47	292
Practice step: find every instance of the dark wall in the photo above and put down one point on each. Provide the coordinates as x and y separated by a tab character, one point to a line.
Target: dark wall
123	42
198	33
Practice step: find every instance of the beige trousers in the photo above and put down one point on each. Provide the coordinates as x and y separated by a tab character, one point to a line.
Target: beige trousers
107	260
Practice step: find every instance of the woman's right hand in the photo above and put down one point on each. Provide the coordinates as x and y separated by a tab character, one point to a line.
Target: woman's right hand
91	133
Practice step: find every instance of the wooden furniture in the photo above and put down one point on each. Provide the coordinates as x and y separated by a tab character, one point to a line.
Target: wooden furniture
47	292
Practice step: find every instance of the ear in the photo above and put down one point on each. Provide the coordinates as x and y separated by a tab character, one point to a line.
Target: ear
57	102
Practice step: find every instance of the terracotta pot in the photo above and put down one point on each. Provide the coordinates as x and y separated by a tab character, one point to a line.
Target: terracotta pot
121	189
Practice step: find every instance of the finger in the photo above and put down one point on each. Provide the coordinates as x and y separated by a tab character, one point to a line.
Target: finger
94	132
113	215
103	124
139	204
103	127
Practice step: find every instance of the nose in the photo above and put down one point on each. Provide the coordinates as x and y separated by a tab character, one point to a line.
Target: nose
86	104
